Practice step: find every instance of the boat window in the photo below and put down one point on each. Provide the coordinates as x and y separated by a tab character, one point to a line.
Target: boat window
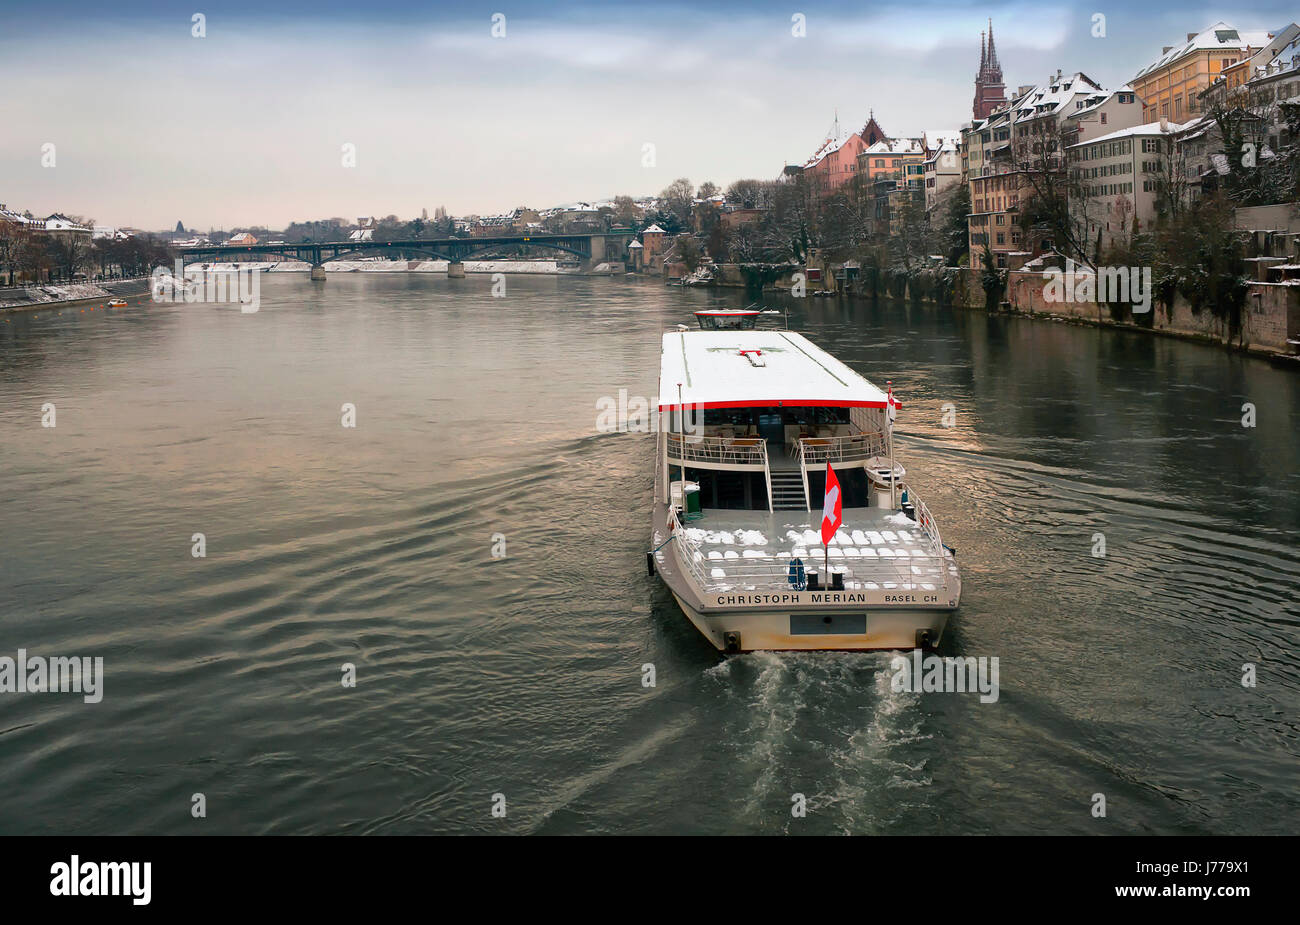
854	490
730	491
729	417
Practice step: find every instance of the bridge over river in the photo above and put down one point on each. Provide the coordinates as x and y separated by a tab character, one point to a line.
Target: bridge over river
593	249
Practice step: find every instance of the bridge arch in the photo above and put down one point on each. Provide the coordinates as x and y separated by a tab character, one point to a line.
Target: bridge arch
250	257
375	250
477	252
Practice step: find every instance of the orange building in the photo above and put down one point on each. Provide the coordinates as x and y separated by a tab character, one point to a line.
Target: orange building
902	159
1169	88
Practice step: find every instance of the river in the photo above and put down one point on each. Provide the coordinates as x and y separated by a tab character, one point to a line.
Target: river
521	675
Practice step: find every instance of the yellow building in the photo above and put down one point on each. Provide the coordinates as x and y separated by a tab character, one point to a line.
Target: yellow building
1170	86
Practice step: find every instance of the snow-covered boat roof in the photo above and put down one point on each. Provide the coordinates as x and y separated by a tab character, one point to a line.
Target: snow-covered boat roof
787	369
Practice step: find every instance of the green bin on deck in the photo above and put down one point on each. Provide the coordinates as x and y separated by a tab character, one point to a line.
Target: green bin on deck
692	498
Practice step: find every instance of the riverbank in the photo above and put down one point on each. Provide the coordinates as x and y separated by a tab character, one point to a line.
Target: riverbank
35	298
1267	325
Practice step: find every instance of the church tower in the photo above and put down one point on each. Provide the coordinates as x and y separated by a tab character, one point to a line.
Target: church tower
990	92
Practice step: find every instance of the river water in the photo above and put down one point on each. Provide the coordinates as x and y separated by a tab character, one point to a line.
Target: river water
522	675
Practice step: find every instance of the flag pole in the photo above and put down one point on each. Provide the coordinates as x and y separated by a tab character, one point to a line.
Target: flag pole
681	431
826	546
889	420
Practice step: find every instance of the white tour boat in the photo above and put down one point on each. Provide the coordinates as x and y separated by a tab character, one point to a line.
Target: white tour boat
750	422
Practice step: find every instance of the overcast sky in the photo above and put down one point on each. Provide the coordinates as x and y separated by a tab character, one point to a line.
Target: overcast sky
247	125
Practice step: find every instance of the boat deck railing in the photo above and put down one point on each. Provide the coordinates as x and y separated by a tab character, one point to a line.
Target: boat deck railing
688	549
924	520
885	565
736	451
849	448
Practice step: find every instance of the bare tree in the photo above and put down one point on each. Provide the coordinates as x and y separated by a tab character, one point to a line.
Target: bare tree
743	244
1038	162
10	246
69	253
751	194
689	251
677	199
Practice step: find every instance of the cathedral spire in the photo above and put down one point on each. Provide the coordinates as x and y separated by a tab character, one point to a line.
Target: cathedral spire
990	93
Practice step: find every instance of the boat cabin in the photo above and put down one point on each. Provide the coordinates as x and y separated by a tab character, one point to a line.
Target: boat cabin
750	418
728	319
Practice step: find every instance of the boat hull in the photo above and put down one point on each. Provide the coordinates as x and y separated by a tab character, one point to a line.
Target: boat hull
807	620
754	631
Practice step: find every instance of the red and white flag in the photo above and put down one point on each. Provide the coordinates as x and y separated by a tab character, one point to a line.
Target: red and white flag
831	507
893	404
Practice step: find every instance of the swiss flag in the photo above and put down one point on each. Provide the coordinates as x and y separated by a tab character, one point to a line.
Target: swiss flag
831	507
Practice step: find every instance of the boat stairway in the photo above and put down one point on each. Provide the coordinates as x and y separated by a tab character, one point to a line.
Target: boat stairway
787	491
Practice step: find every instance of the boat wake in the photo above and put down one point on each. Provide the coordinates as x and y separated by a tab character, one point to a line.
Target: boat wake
858	744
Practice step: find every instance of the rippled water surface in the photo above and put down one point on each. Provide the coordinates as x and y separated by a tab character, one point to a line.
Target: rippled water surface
522	676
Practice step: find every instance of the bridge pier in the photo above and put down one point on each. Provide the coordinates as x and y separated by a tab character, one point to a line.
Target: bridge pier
318	272
455	270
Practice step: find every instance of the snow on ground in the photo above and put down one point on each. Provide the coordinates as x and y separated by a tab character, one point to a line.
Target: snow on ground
64	292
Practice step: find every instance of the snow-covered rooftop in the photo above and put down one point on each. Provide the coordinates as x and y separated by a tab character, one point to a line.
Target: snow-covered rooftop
1150	128
1220	35
794	372
942	139
897	146
836	138
1053	97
